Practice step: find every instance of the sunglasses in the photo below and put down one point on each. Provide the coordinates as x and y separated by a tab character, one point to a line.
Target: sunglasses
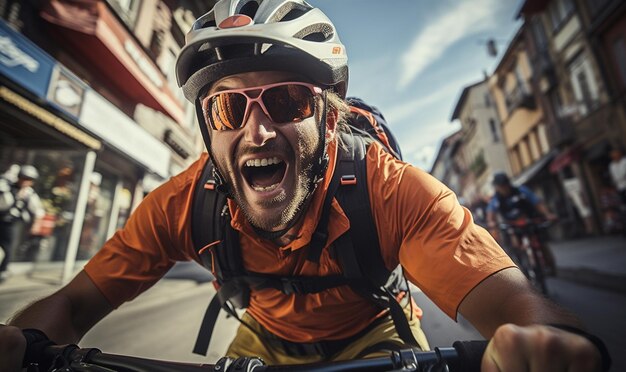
282	102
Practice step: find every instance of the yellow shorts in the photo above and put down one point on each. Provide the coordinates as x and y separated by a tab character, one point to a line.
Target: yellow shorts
249	343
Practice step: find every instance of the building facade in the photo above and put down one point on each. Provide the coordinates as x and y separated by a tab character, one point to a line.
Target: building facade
484	147
88	96
578	80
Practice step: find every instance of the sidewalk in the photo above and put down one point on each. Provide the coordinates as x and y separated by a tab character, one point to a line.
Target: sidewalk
597	261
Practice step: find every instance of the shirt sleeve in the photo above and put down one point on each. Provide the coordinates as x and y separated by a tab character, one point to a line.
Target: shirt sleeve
155	236
422	226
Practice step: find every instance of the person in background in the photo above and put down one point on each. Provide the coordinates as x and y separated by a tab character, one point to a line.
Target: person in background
23	207
617	168
511	203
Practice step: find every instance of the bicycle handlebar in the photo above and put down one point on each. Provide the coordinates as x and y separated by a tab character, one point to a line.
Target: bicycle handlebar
464	356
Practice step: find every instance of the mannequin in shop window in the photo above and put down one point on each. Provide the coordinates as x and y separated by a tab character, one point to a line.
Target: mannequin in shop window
19	208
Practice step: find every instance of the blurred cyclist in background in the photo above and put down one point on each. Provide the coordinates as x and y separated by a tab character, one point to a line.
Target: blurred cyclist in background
510	204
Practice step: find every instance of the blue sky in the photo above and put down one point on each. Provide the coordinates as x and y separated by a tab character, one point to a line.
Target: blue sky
412	58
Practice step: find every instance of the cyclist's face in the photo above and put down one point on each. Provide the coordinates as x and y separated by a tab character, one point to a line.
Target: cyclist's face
266	164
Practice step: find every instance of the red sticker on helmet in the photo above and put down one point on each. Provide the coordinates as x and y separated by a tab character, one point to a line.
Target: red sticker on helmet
237	20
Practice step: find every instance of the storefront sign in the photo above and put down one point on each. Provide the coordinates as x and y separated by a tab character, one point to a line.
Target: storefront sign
107	121
49	118
23	62
66	91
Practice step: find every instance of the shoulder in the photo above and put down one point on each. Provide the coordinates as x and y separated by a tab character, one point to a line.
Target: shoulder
174	196
391	179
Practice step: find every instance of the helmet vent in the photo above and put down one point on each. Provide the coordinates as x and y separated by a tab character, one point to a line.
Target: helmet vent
208	20
249	8
319	32
288	12
293	14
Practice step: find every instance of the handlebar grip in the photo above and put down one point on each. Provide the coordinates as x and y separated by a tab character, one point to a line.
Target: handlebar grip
36	343
470	355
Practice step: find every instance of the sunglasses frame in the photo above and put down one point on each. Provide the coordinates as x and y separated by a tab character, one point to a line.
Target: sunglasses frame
315	90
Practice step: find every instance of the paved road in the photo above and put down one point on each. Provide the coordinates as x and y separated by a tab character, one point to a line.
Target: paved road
163	322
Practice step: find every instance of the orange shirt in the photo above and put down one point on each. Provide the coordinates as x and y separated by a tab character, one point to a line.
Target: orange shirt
419	222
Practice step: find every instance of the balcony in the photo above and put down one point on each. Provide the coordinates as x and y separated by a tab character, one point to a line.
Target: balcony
520	97
544	75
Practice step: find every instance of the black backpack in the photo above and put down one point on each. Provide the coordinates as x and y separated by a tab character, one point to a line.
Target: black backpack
217	243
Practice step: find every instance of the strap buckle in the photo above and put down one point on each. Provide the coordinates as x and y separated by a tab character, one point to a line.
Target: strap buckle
349	179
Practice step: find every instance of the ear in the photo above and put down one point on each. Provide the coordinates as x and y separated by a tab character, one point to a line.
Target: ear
332	117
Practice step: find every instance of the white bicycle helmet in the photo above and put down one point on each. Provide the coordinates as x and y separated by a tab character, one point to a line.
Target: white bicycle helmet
261	35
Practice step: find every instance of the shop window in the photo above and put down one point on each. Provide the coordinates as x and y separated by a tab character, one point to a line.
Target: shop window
97	214
58	184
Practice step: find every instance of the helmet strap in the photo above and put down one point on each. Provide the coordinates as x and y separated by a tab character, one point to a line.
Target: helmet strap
319	168
220	182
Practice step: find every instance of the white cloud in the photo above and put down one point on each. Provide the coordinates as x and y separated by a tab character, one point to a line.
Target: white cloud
420	146
411	108
468	18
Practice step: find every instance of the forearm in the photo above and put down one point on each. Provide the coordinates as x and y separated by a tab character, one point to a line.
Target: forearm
507	297
531	308
53	315
68	314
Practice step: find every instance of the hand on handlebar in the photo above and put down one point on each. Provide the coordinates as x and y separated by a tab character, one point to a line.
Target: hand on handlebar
539	348
12	348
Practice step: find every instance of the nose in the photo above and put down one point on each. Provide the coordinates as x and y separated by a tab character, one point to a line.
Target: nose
258	128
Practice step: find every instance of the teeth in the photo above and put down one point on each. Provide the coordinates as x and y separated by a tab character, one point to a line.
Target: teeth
262	162
263	189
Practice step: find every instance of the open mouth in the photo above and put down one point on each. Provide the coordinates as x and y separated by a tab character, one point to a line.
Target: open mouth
265	174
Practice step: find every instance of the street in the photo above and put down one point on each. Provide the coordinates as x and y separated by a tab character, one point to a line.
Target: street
163	322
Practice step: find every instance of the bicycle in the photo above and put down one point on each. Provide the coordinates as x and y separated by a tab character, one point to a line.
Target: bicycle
528	249
464	356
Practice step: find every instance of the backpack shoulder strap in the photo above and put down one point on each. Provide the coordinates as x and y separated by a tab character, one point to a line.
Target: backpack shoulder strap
207	209
358	250
353	196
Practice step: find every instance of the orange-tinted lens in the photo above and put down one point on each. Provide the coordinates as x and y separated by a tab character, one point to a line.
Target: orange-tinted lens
226	111
289	102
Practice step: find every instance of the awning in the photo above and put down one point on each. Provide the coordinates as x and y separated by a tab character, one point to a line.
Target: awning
92	30
532	171
565	158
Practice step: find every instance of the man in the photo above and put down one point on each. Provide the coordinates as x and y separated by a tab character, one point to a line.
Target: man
23	209
511	203
617	169
268	81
